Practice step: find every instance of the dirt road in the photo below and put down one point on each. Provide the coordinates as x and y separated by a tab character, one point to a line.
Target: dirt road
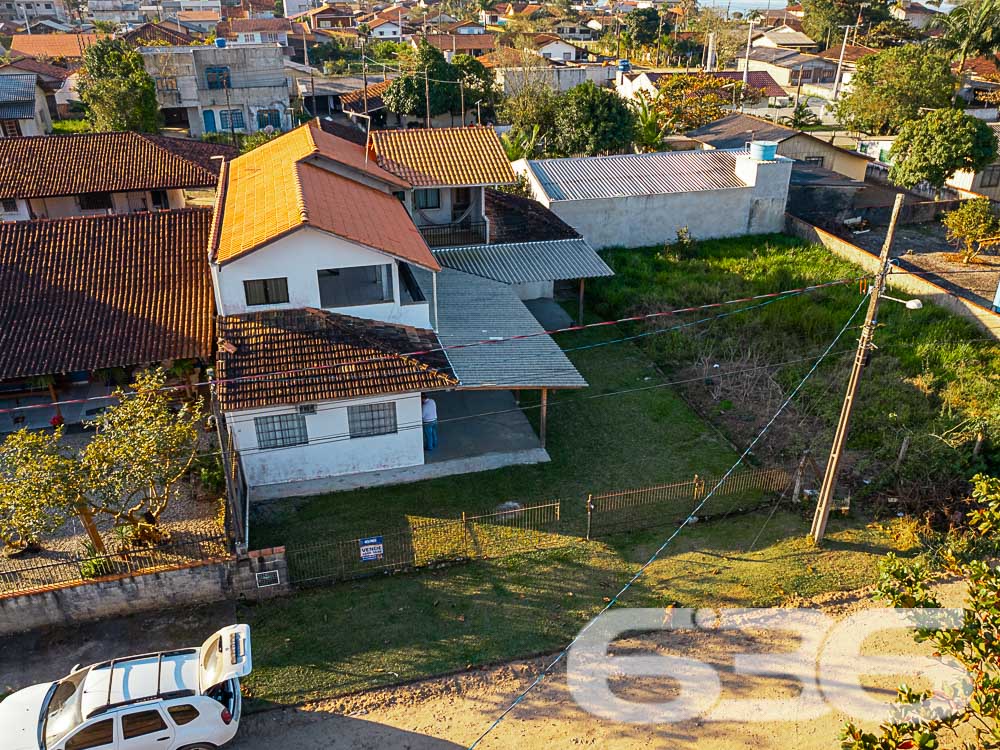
451	712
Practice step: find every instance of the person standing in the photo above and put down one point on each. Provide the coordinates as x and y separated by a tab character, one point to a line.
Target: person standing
429	412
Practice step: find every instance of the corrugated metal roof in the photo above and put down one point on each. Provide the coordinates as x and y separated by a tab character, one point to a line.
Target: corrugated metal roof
470	309
580	178
17	96
522	262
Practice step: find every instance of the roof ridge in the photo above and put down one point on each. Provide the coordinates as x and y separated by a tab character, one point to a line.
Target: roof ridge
172	154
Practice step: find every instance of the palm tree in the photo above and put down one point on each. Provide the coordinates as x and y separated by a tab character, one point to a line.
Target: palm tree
649	128
519	145
970	30
801	117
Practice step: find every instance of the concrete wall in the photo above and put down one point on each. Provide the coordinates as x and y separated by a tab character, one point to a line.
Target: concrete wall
803	146
987	320
311	250
331	451
112	596
122	203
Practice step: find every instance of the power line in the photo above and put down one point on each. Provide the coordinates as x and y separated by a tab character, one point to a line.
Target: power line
318	369
562	654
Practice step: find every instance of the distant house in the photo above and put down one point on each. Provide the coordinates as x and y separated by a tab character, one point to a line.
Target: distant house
847	58
89	174
354	101
23	106
366	315
551	47
326	16
505	12
916	14
735	130
116	11
240	31
208	89
66	48
566	28
458	44
203	21
83	297
629	85
784	37
465	27
384	29
148	34
788	67
51	78
638	200
31	10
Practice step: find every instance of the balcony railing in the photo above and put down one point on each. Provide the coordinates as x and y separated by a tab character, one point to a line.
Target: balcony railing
453	235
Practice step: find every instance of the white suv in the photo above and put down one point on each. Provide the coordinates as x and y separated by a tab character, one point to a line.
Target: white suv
172	700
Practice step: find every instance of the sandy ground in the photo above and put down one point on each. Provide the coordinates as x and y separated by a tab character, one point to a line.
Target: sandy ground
452	712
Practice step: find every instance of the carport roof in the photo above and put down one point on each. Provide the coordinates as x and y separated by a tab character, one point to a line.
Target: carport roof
473	309
523	262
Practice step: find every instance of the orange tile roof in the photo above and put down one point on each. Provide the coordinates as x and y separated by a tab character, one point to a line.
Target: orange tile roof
283	185
432	157
69	46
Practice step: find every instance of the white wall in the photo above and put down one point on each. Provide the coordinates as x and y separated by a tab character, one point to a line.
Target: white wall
325	456
122	203
19	214
558	51
298	257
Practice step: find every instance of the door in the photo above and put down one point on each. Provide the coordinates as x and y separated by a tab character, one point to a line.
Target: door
225	655
209	117
98	735
145	729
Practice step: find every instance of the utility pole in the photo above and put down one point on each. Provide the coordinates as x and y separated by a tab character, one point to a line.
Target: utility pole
659	37
864	346
746	57
427	96
840	63
364	69
461	93
798	88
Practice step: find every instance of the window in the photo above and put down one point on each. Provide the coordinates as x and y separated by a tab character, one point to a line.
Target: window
96	735
231	118
991	176
160	200
281	431
270	36
361	285
9	205
266	291
817	160
142	722
166	83
427	198
10	128
267	117
372	419
95	201
183	714
218	77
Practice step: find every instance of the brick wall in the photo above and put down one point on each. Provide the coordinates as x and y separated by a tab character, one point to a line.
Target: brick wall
112	596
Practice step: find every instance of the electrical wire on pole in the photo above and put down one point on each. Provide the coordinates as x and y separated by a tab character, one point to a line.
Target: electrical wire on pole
865	345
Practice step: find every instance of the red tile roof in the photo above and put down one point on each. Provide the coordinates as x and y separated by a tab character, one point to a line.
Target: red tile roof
354	101
324	356
852	53
432	157
104	291
42	166
250	25
42	69
282	186
69	46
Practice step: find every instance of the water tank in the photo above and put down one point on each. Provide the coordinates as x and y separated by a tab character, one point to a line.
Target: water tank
220	41
624	66
763	150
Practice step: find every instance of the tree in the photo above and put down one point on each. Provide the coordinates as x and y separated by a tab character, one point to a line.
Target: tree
520	145
688	101
533	105
969	30
406	95
477	80
801	117
642	25
891	87
822	19
250	142
141	448
592	120
970	223
650	130
892	32
965	555
936	146
39	485
116	89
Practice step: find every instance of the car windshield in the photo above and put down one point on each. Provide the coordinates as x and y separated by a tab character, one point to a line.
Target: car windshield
62	714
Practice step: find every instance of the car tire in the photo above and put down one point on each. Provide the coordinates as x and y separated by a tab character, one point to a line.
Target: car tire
200	746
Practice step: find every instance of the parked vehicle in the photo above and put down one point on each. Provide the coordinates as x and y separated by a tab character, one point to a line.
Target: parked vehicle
187	699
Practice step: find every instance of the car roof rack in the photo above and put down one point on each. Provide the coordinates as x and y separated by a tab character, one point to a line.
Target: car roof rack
158	695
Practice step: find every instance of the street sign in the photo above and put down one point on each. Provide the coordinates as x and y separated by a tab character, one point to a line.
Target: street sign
372	548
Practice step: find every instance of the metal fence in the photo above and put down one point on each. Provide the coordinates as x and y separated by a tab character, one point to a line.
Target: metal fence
664	504
24	574
427	542
236	487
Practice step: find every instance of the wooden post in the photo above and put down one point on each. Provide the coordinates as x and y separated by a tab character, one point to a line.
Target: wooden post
544	418
902	452
579	320
590	511
797	489
55	399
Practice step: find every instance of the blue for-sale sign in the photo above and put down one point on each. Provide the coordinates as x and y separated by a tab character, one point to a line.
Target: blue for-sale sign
371	548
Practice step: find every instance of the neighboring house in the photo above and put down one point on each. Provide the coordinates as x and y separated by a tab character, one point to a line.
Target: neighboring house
505	12
83	297
326	16
307	283
917	15
384	29
209	89
458	44
785	37
849	62
735	130
639	200
551	47
354	101
629	85
204	21
23	106
566	28
51	78
150	34
21	11
117	11
465	27
57	177
787	66
515	69
66	48
241	31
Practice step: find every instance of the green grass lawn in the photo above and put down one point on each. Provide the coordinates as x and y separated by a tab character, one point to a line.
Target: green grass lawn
69	127
350	637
